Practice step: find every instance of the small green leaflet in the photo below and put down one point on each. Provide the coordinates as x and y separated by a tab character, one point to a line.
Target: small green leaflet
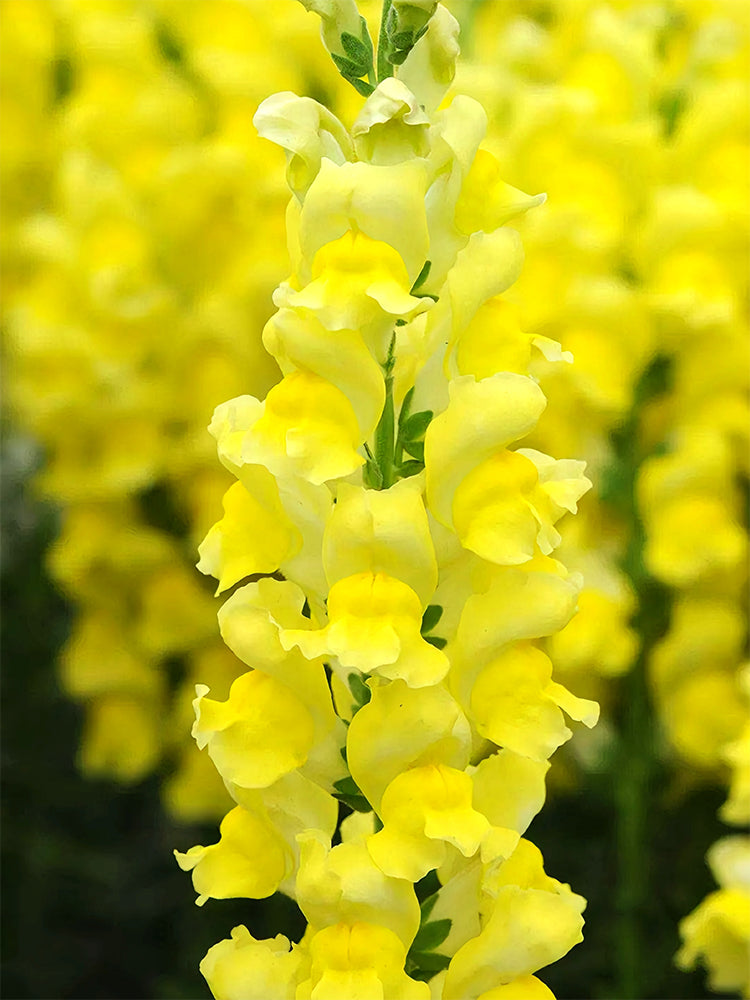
348	792
359	689
432	935
432	615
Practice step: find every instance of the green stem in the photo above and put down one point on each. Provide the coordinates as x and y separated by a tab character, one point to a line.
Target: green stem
385	67
636	763
631	802
385	432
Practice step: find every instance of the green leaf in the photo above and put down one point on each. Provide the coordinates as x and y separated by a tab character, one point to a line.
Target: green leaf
371	475
356	49
431	935
364	33
398	58
432	615
422	276
360	691
427	907
428	963
348	792
356	802
403	39
407	469
415	426
427	886
347	786
436	641
405	409
347	68
415	449
361	86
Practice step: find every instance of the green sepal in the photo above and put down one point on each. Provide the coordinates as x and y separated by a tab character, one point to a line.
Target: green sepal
403	39
356	802
372	477
347	786
405	409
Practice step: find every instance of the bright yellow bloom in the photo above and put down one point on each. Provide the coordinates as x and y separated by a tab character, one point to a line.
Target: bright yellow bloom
254	536
533	921
241	968
382	531
262	732
423	810
516	704
357	283
343	883
374	625
482	418
249	860
307	428
358	960
403	727
391	127
717	932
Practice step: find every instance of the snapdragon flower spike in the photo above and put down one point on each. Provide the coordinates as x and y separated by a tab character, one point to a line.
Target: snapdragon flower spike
406	542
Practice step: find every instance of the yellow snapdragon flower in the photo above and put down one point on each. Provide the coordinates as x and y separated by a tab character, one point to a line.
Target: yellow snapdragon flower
406	562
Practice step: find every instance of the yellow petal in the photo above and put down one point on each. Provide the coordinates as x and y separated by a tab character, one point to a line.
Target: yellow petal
260	733
254	536
382	531
401	727
482	418
241	968
249	860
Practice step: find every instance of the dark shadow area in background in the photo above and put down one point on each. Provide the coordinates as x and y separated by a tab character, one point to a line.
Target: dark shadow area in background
95	908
